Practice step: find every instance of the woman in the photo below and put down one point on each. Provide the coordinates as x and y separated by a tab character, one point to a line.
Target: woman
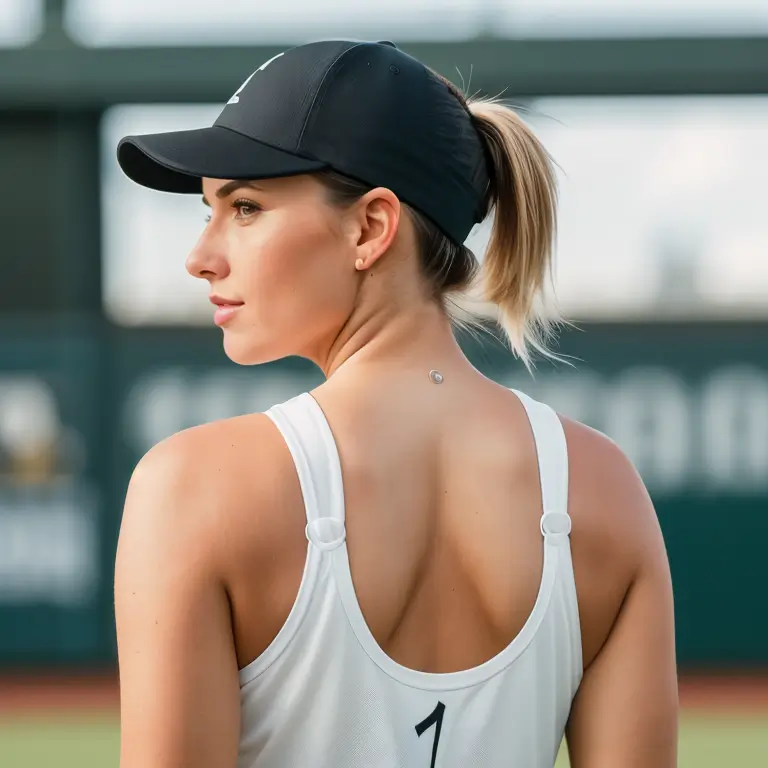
439	613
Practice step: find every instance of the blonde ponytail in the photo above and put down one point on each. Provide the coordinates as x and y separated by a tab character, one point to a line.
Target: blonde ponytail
523	200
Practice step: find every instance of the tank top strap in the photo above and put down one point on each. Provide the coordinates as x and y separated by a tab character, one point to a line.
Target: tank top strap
552	453
310	441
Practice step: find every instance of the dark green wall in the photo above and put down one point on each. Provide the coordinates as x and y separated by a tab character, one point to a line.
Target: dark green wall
689	403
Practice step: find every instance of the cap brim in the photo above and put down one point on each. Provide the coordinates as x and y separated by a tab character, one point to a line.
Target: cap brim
178	161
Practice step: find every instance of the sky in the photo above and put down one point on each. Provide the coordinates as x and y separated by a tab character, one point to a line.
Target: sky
20	21
118	22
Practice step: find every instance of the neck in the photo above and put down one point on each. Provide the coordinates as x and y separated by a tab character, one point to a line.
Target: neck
416	337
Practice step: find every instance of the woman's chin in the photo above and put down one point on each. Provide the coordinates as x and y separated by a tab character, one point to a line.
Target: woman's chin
246	351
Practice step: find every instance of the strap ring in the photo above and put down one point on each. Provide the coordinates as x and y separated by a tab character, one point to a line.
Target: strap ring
326	533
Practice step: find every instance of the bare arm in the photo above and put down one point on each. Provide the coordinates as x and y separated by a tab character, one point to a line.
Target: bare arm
178	672
625	713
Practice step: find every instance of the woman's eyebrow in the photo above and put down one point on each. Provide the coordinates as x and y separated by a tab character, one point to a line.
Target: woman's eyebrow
231	186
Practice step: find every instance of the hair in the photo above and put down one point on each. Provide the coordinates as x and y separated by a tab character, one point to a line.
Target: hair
522	197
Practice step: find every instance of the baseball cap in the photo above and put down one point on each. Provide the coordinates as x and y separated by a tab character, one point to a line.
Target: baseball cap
363	109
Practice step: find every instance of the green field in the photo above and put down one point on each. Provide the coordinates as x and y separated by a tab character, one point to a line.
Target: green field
75	742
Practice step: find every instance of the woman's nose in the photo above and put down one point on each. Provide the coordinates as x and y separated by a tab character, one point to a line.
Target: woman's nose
208	259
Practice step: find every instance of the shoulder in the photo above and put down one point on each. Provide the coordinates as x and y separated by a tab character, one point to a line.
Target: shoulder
616	541
200	486
611	509
209	459
214	447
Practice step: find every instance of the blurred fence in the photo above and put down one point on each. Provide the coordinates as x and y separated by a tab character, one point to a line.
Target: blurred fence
78	407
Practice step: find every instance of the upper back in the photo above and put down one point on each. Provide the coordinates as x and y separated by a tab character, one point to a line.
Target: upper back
442	495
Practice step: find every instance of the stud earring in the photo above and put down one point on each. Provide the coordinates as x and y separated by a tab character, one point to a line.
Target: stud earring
359	264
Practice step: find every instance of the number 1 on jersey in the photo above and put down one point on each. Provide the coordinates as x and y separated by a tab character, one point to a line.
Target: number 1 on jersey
436	719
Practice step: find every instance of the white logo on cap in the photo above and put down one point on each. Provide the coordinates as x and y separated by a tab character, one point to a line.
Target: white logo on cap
236	97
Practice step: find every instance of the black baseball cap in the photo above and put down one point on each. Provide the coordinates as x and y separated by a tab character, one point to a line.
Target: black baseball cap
364	109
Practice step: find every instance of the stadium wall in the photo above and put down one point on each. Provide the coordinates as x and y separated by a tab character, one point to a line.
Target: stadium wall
78	407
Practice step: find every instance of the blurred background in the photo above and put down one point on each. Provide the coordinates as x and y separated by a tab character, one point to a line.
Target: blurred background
657	115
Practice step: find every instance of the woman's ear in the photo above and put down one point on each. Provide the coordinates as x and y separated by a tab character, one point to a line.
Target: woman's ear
377	216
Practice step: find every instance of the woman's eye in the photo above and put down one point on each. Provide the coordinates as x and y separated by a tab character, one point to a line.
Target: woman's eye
245	208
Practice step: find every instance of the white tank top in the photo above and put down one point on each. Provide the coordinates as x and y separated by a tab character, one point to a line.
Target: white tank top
325	695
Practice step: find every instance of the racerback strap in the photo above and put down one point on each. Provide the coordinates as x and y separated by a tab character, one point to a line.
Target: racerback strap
552	453
310	441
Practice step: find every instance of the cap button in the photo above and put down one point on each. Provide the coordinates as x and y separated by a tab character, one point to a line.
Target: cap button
387	42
